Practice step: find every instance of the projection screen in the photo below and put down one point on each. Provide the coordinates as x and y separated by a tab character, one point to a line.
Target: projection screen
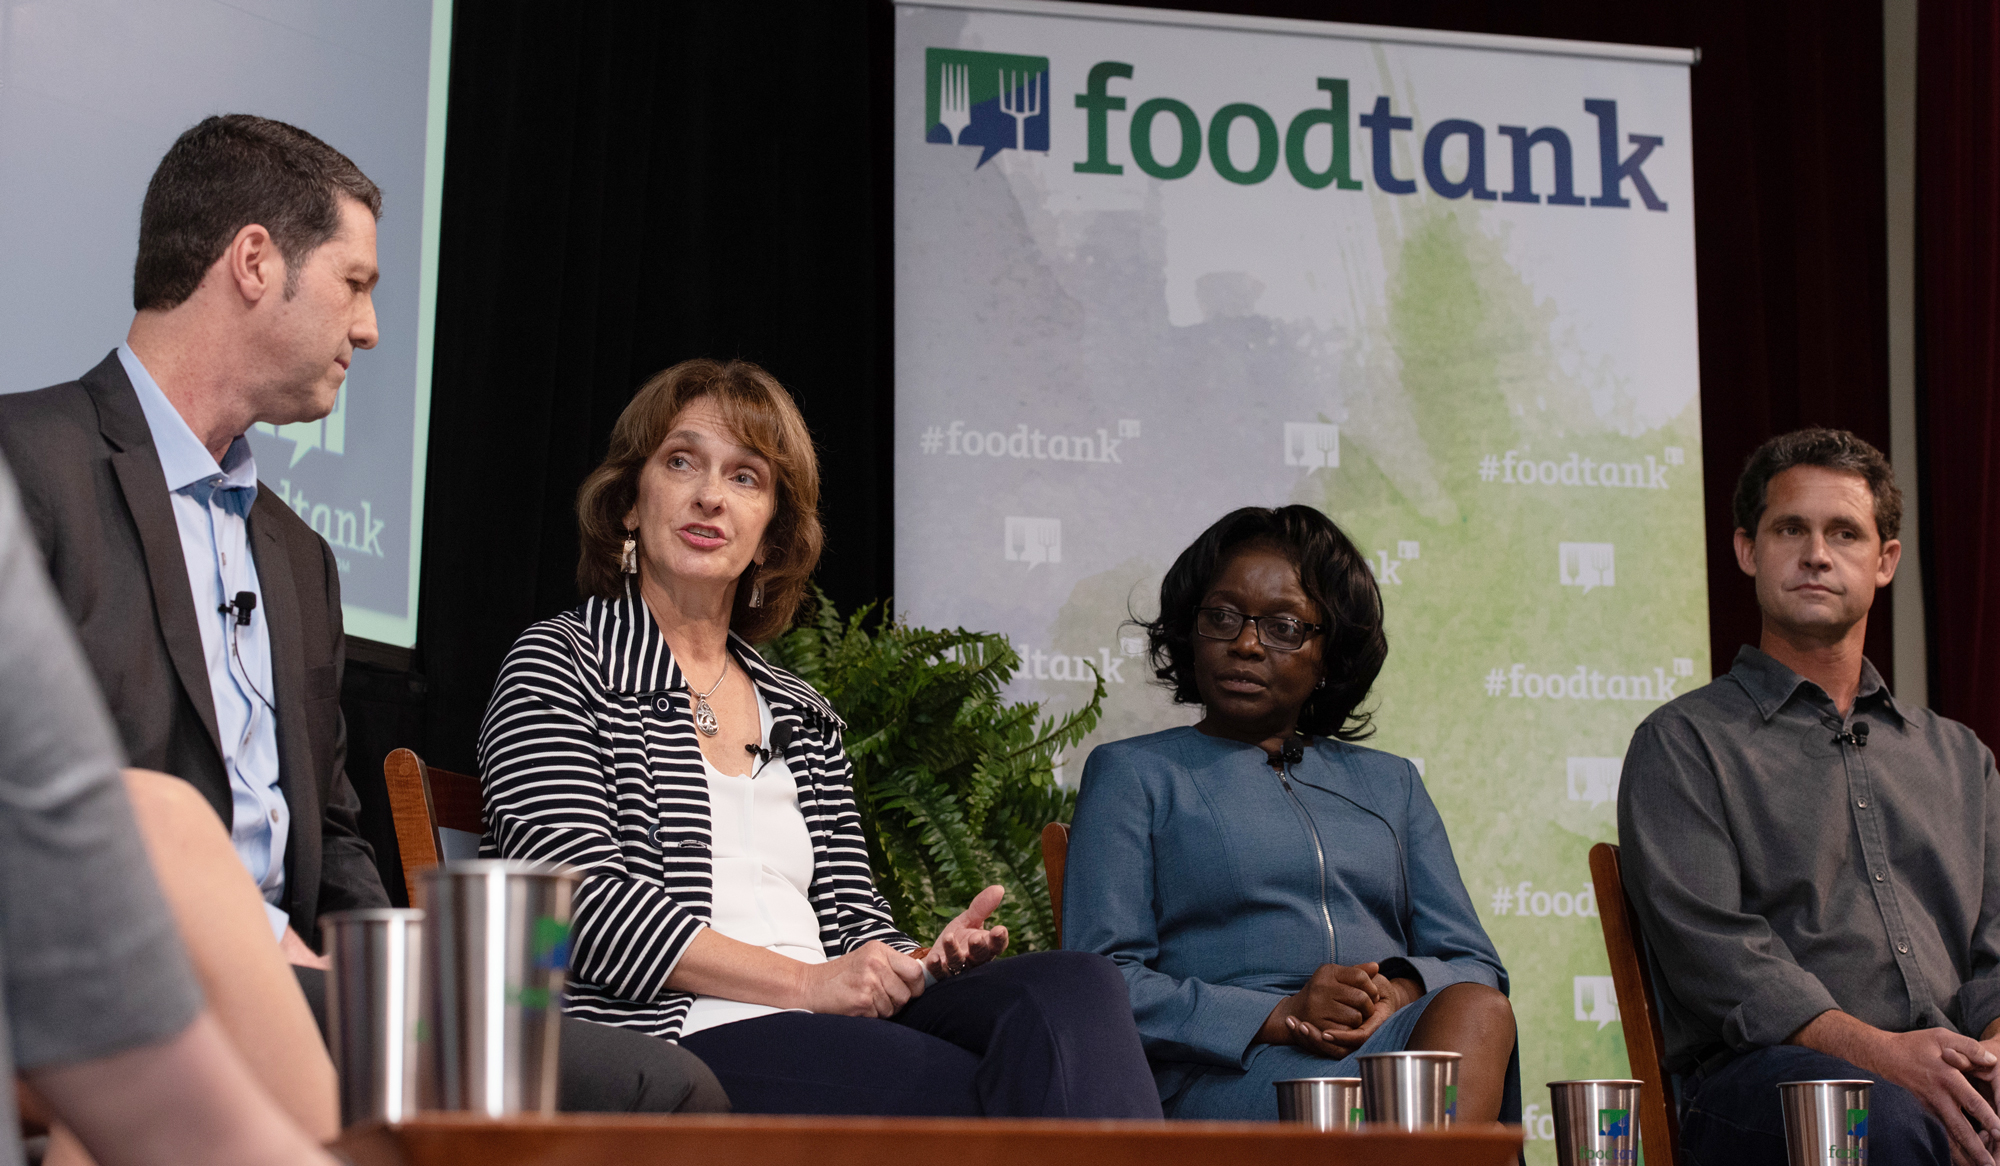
92	92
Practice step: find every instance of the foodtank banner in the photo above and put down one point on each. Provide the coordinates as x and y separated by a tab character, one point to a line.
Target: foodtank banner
1153	266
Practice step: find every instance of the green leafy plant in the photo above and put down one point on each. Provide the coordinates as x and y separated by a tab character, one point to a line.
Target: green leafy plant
954	783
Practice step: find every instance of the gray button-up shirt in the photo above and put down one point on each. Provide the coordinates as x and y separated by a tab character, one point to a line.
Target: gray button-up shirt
1779	873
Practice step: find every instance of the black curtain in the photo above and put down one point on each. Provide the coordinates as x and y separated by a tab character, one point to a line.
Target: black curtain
631	183
1958	257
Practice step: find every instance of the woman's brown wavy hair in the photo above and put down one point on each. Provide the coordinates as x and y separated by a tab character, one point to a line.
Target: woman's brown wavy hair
761	416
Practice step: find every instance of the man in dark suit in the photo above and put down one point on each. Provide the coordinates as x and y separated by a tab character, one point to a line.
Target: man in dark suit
221	345
209	611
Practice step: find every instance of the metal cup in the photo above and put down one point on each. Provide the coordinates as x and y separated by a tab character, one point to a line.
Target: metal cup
1596	1121
1826	1122
373	990
1410	1090
1324	1103
498	936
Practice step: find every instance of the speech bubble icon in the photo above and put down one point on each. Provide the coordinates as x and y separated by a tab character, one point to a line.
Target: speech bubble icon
1314	445
1603	997
997	101
1594	779
1034	540
1588	565
306	435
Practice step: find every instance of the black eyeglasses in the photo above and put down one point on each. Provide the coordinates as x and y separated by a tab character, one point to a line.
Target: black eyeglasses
1273	631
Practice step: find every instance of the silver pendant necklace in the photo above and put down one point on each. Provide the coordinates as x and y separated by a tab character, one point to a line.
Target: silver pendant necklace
704	716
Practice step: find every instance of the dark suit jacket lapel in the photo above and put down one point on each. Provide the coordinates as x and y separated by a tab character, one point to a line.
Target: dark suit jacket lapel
280	602
144	484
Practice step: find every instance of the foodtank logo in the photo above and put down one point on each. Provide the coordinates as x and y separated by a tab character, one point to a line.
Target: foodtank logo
1587	565
996	101
1594	779
1312	445
1034	541
1163	121
1596	999
348	530
1003	101
328	434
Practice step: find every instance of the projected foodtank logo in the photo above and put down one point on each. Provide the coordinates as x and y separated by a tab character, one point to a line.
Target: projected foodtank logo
329	433
348	525
996	101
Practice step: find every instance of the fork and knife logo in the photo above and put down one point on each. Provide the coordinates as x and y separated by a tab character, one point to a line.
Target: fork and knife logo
997	101
1588	565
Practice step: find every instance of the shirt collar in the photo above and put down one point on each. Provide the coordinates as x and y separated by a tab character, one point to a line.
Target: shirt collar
636	659
183	458
1771	684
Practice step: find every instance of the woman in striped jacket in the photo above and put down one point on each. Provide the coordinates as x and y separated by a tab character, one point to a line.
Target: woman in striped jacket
705	798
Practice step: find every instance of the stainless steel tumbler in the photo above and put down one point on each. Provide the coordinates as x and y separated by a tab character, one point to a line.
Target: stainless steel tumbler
1826	1122
497	936
1410	1090
1324	1103
373	991
1596	1121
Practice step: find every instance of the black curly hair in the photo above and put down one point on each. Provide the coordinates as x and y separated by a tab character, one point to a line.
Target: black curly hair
1333	573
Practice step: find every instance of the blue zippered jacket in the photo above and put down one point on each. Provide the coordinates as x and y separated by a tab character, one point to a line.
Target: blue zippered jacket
1194	869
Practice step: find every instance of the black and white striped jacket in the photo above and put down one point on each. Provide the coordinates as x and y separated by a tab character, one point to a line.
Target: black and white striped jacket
588	757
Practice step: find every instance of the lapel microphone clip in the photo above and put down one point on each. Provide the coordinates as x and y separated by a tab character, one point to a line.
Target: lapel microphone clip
244	603
1857	736
781	736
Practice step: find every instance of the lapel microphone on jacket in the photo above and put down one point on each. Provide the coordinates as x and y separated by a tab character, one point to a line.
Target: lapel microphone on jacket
1293	752
241	606
1857	736
781	736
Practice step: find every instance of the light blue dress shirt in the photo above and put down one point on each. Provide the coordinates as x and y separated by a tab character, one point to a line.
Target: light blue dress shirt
212	508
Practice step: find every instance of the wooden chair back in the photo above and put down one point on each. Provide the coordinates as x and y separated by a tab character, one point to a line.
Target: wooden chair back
1632	976
425	803
1055	854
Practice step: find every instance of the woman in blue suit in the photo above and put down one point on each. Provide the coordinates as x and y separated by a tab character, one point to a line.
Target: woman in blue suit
1278	898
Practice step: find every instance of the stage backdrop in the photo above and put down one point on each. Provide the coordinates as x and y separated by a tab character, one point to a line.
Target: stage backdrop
1154	266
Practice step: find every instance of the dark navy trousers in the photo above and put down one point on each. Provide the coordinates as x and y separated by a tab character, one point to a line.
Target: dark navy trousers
1047	1034
1731	1116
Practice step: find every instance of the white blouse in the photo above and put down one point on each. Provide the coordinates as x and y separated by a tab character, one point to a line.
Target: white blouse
763	866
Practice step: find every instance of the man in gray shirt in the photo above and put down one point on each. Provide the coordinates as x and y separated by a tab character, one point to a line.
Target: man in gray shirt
1816	865
99	1010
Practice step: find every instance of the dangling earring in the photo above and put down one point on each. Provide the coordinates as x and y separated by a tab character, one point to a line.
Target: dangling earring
628	559
757	593
1320	685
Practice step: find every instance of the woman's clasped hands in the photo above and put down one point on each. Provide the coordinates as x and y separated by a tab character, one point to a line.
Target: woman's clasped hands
877	980
1338	1009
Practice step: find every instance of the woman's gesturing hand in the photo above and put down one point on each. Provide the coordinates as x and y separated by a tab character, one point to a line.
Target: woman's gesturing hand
872	980
966	941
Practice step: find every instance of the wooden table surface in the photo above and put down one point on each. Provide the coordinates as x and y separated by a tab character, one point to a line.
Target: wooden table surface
601	1139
